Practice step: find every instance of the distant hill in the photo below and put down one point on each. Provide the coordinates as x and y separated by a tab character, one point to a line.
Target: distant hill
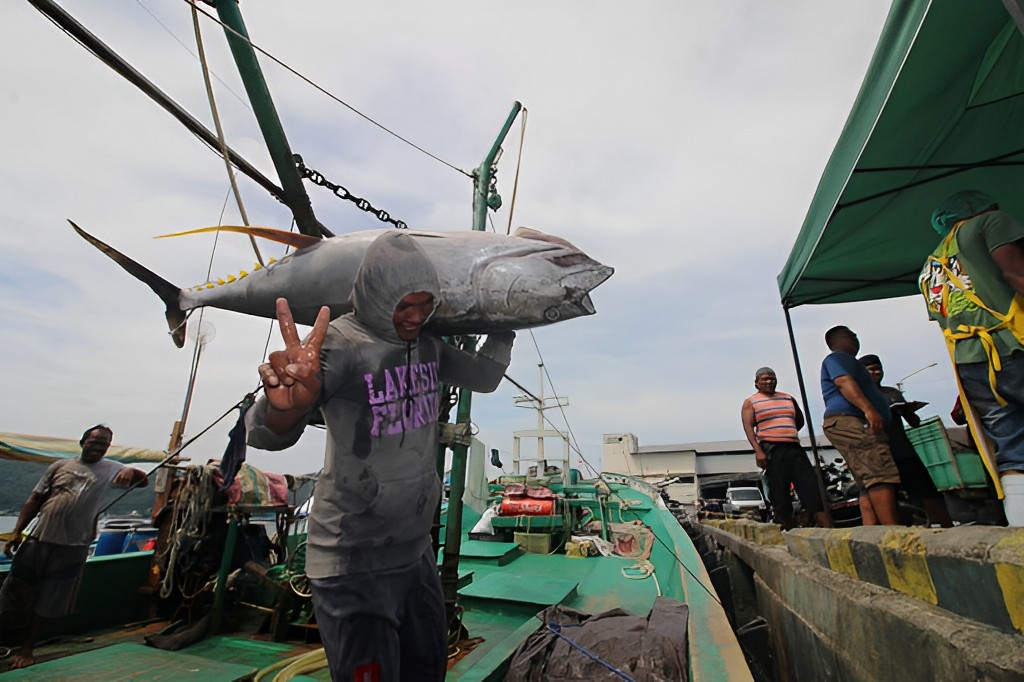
20	477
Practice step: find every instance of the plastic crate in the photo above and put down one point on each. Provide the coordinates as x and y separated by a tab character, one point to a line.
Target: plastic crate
949	470
534	543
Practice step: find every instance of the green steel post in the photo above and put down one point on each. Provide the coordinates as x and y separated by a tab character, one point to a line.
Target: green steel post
482	175
453	523
222	575
266	116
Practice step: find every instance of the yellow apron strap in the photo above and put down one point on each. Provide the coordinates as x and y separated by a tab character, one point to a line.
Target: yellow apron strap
981	440
1012	319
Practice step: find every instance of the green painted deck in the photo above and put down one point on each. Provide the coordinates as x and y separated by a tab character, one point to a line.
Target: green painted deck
502	589
539	589
502	602
131	661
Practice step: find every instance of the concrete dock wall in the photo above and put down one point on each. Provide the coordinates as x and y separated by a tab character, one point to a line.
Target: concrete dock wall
877	603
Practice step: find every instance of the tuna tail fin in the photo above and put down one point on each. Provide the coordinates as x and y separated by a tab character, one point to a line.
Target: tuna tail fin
167	292
294	239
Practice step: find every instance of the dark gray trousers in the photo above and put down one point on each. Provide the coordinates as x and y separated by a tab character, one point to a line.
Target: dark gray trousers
384	627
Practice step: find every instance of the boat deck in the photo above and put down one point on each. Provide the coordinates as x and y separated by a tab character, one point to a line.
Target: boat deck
123	655
502	590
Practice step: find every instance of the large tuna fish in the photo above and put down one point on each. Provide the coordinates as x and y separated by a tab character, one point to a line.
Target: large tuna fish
489	282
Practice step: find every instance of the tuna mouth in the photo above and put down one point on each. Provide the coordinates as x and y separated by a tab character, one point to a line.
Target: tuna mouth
586	280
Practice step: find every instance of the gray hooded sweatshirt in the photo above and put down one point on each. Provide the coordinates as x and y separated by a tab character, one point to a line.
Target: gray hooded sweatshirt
375	500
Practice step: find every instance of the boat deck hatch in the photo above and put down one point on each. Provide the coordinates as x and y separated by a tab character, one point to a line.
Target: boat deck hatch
540	590
481	550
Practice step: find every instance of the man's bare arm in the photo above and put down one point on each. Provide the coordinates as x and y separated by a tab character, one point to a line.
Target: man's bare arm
747	414
1010	259
28	512
851	391
131	477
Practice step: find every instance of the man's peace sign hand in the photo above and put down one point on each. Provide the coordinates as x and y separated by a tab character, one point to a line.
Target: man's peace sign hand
291	378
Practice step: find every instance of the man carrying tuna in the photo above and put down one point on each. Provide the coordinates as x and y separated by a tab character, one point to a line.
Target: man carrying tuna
374	375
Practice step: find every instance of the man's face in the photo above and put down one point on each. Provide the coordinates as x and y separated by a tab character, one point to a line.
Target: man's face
411	314
766	383
847	342
95	445
876	372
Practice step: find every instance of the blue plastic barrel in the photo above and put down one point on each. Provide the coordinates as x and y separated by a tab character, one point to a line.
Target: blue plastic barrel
110	542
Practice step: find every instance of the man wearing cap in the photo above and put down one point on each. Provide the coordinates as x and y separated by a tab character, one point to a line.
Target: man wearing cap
856	415
972	285
772	422
914	477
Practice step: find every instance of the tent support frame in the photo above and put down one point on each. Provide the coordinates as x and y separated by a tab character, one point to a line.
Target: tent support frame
807	415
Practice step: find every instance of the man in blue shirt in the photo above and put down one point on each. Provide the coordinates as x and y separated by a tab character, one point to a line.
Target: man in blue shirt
856	415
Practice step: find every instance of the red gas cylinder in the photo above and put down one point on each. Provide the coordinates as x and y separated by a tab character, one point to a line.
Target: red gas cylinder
527	506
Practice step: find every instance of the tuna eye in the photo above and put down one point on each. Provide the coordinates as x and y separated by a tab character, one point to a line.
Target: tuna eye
552	314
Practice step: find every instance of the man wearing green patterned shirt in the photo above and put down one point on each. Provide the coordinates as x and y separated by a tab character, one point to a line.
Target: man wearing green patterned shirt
973	284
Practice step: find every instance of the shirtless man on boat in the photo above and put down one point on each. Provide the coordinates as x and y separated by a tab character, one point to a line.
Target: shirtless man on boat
47	569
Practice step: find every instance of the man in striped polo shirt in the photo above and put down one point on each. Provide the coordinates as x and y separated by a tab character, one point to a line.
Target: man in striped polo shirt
772	422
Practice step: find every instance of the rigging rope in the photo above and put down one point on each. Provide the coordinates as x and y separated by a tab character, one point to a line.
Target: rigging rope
329	94
220	129
193	54
515	183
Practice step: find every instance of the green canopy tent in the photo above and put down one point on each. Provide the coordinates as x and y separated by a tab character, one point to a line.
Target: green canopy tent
940	110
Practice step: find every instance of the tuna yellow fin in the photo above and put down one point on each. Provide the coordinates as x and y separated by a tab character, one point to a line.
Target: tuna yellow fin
293	239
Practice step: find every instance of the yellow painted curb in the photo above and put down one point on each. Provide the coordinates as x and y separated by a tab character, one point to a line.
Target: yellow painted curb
840	557
1009	561
903	554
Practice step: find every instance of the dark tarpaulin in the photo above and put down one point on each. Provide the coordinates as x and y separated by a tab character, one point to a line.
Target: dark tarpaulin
571	645
940	110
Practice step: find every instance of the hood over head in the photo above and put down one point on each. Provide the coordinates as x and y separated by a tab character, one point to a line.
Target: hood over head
960	206
393	267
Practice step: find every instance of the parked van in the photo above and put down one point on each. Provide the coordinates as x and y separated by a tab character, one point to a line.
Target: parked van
745	501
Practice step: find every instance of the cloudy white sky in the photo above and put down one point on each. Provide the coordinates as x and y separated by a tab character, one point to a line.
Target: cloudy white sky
679	142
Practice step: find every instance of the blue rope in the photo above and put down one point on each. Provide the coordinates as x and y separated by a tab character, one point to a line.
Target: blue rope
556	630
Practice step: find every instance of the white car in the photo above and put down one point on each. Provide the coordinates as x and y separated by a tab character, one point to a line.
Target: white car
745	501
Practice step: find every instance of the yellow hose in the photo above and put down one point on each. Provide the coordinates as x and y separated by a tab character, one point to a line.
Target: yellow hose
294	666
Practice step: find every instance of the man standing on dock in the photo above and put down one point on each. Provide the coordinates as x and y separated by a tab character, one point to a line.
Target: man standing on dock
375	379
772	421
47	569
856	415
973	284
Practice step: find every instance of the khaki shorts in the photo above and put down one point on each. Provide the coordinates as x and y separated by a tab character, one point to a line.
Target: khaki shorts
867	454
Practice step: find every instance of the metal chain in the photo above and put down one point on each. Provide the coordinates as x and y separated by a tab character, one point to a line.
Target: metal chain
364	204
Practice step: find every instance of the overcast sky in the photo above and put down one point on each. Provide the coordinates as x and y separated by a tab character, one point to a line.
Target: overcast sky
679	142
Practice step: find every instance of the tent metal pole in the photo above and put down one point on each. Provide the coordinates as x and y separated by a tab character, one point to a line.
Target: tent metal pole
807	414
